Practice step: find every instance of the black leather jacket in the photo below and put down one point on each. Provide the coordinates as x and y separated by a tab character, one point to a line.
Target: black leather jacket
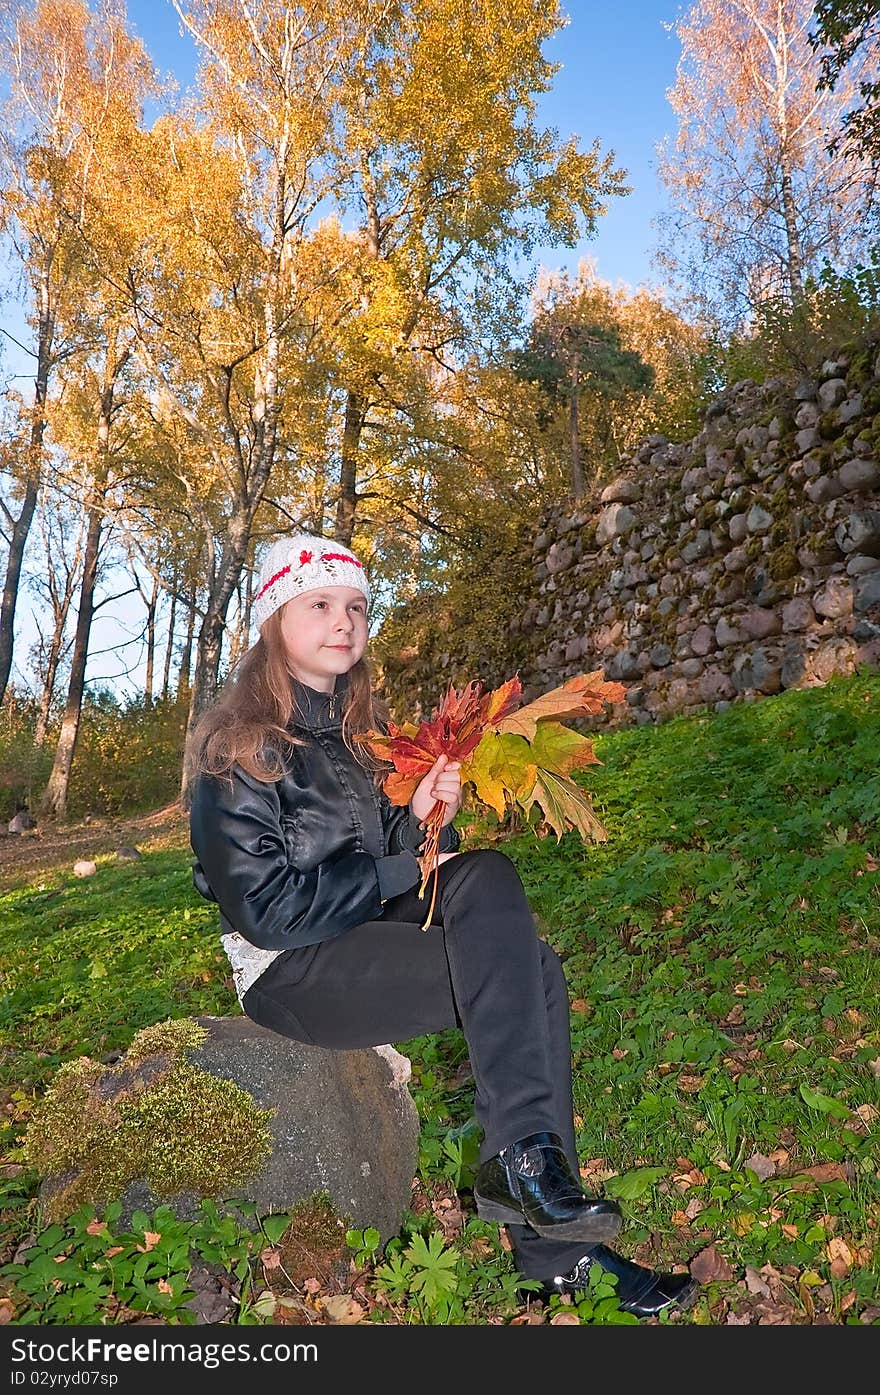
312	854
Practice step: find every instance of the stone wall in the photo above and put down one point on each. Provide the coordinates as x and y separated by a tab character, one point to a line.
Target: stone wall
729	567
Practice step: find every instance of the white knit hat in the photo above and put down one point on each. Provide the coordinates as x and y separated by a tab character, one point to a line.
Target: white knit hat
303	563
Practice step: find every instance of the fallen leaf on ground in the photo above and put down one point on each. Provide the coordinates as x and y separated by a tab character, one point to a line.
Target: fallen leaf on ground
755	1284
565	1320
685	1180
481	1247
709	1266
691	1084
762	1166
342	1309
841	1257
820	1172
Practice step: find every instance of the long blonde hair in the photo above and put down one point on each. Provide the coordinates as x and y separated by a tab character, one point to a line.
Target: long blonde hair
249	723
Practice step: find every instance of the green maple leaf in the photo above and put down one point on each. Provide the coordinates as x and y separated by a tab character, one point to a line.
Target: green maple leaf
501	768
560	750
564	805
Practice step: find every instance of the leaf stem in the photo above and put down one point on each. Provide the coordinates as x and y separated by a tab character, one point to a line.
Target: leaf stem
429	860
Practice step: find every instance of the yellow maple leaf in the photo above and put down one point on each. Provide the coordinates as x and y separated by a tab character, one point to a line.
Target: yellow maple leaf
565	806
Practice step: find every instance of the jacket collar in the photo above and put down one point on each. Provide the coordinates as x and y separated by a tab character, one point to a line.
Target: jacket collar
319	711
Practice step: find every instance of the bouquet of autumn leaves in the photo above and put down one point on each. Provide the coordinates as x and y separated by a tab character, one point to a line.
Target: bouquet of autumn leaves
514	757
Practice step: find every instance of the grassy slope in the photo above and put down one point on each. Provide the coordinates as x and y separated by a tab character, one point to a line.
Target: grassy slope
721	956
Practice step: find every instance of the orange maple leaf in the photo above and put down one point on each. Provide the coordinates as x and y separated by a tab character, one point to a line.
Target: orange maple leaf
586	693
455	730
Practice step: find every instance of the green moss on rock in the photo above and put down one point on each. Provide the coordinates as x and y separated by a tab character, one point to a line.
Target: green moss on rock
782	563
153	1116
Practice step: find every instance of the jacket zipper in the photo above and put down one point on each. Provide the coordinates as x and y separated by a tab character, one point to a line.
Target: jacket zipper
332	704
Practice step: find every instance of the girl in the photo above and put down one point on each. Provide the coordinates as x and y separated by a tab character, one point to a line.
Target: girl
316	877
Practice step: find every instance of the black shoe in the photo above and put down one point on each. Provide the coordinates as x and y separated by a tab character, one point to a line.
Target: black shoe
531	1183
645	1292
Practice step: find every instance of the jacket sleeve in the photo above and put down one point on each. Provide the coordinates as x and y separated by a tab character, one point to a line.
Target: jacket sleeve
403	832
236	834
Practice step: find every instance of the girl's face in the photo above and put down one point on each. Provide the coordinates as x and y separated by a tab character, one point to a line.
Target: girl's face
324	633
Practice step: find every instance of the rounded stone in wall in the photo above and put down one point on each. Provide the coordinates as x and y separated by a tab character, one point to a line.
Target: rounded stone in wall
851	409
835	600
860	532
623	666
807	414
863	447
760	623
823	489
679	693
733	591
700	546
834	656
621	491
736	560
737	528
727	634
858	564
868	653
758	520
715	686
831	393
758	670
794	666
798	615
559	557
867	592
615	521
805	440
859	476
691	668
703	640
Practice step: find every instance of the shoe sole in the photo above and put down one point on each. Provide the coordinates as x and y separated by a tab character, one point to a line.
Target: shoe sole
592	1230
682	1303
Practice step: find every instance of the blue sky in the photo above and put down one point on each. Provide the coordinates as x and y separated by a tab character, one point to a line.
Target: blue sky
617	63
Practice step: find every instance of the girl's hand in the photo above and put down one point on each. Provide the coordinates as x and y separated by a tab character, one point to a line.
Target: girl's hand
443	782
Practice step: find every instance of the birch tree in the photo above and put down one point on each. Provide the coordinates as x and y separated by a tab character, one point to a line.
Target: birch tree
757	205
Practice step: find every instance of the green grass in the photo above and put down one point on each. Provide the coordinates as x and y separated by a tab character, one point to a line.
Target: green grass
721	954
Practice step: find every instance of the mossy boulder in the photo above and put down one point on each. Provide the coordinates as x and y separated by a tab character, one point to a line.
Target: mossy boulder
220	1107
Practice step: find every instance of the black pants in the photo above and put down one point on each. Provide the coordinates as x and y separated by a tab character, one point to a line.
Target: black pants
479	966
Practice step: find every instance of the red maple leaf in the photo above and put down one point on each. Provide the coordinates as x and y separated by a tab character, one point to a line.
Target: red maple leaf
455	729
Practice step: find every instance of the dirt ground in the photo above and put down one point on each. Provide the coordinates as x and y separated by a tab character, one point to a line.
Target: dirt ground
54	847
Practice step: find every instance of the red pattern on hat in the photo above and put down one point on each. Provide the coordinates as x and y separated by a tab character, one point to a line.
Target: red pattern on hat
271	582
